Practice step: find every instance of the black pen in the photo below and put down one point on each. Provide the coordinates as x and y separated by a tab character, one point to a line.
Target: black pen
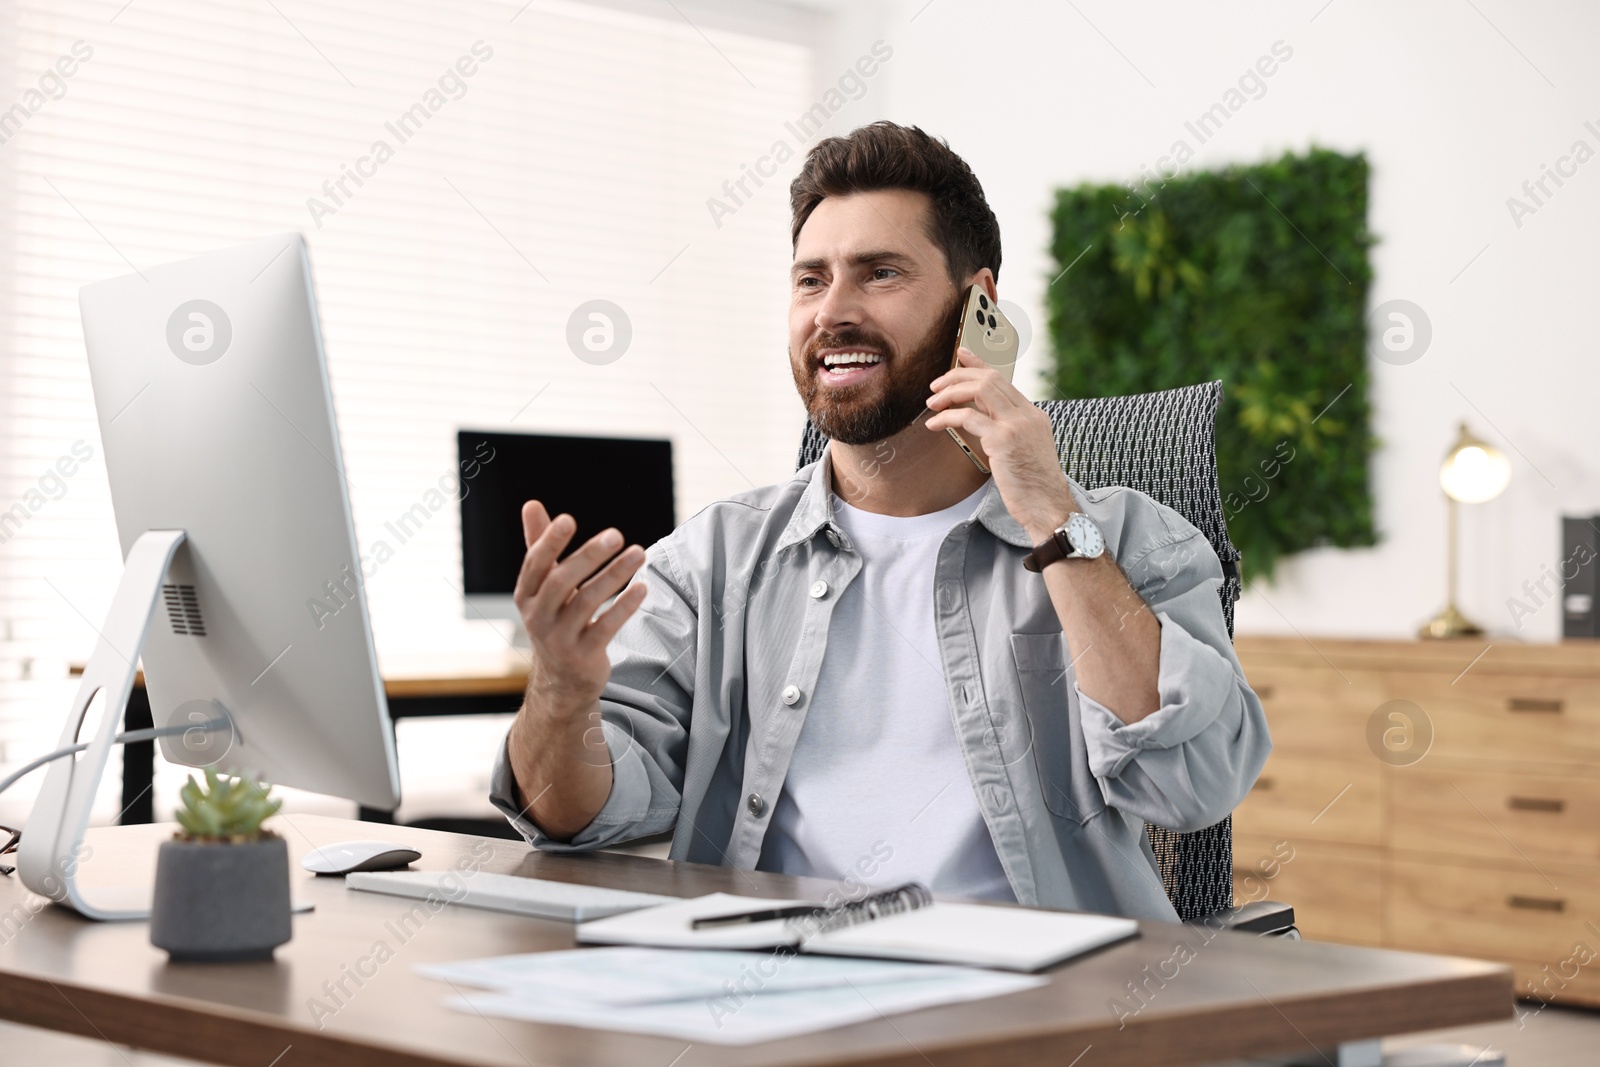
793	912
900	898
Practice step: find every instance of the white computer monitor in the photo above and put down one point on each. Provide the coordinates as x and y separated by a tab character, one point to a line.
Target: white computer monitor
241	587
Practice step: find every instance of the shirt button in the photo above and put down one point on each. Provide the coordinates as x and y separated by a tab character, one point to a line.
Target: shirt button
791	693
819	589
756	805
833	539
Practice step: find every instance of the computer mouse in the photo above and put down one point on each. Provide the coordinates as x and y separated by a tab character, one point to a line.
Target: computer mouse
346	856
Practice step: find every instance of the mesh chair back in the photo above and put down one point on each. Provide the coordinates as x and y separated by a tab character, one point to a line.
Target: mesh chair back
1164	445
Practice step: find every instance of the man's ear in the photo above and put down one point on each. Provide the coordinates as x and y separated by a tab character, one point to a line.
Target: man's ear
984	277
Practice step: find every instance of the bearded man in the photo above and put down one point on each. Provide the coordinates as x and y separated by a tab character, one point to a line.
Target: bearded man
894	666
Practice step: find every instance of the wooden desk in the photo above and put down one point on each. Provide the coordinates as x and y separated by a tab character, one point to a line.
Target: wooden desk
410	696
1238	996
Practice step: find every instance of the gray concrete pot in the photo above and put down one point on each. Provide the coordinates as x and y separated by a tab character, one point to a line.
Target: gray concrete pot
220	902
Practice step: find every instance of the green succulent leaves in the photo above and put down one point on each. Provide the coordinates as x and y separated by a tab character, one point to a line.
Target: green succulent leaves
226	809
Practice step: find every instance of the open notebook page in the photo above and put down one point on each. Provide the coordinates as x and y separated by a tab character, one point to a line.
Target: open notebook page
978	935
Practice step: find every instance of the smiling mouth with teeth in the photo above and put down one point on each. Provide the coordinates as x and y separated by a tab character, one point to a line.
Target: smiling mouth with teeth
842	362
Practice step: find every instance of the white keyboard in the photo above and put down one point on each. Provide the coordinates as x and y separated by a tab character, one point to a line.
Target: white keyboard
537	897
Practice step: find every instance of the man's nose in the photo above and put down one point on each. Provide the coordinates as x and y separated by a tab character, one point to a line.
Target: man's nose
839	309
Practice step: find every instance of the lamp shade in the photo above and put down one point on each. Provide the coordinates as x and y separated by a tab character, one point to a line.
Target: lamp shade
1474	470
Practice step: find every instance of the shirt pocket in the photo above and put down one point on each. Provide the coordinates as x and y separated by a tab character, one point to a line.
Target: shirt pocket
1055	732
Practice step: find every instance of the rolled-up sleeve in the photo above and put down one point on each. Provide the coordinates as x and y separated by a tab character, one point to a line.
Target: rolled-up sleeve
1189	764
626	807
644	713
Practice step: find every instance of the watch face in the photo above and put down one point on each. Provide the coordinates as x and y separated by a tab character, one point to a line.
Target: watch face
1087	541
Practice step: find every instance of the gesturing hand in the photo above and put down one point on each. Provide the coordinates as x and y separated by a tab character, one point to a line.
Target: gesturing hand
1014	435
558	602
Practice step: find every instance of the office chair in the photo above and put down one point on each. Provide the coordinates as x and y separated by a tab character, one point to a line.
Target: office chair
1162	444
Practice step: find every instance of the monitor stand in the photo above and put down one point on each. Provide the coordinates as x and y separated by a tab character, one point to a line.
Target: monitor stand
52	841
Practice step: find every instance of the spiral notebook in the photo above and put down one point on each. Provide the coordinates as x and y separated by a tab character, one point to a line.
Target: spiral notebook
900	924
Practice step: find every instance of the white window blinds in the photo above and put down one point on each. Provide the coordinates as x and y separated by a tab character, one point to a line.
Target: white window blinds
467	175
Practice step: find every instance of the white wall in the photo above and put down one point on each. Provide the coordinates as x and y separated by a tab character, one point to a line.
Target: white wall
1454	113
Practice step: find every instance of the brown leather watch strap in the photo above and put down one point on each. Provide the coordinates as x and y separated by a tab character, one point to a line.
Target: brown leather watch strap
1047	552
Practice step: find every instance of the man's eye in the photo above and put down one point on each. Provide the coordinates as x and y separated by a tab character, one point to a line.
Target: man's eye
884	273
807	282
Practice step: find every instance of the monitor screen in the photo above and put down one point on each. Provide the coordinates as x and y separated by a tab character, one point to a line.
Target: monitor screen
599	481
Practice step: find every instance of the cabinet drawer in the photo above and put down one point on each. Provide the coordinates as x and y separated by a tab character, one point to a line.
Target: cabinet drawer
1534	718
1317	710
1303	798
1493	913
1568	980
1501	815
1336	890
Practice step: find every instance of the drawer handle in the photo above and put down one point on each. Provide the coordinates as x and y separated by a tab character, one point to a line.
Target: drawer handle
1264	692
1262	784
1534	704
1536	903
1554	805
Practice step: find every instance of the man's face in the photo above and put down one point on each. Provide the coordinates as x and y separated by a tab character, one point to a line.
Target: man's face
870	314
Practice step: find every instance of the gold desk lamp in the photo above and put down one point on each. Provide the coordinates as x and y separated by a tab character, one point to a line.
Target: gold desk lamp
1473	472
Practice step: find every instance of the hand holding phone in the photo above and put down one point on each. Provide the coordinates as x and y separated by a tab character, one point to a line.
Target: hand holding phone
985	332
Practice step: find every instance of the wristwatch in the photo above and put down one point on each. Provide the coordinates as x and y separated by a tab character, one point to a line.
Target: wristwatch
1077	538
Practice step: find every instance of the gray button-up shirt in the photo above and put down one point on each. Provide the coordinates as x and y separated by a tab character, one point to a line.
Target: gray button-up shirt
710	679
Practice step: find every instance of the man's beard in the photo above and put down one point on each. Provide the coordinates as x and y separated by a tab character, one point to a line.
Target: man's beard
869	412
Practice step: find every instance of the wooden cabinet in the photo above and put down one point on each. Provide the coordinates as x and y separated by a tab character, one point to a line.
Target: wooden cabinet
1438	796
1336	890
1302	797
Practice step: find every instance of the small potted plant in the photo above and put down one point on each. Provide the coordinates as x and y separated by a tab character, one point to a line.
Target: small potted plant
222	882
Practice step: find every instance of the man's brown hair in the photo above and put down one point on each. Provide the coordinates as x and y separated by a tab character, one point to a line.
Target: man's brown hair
885	155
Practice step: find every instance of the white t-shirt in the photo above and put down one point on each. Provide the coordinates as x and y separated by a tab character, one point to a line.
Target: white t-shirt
877	789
